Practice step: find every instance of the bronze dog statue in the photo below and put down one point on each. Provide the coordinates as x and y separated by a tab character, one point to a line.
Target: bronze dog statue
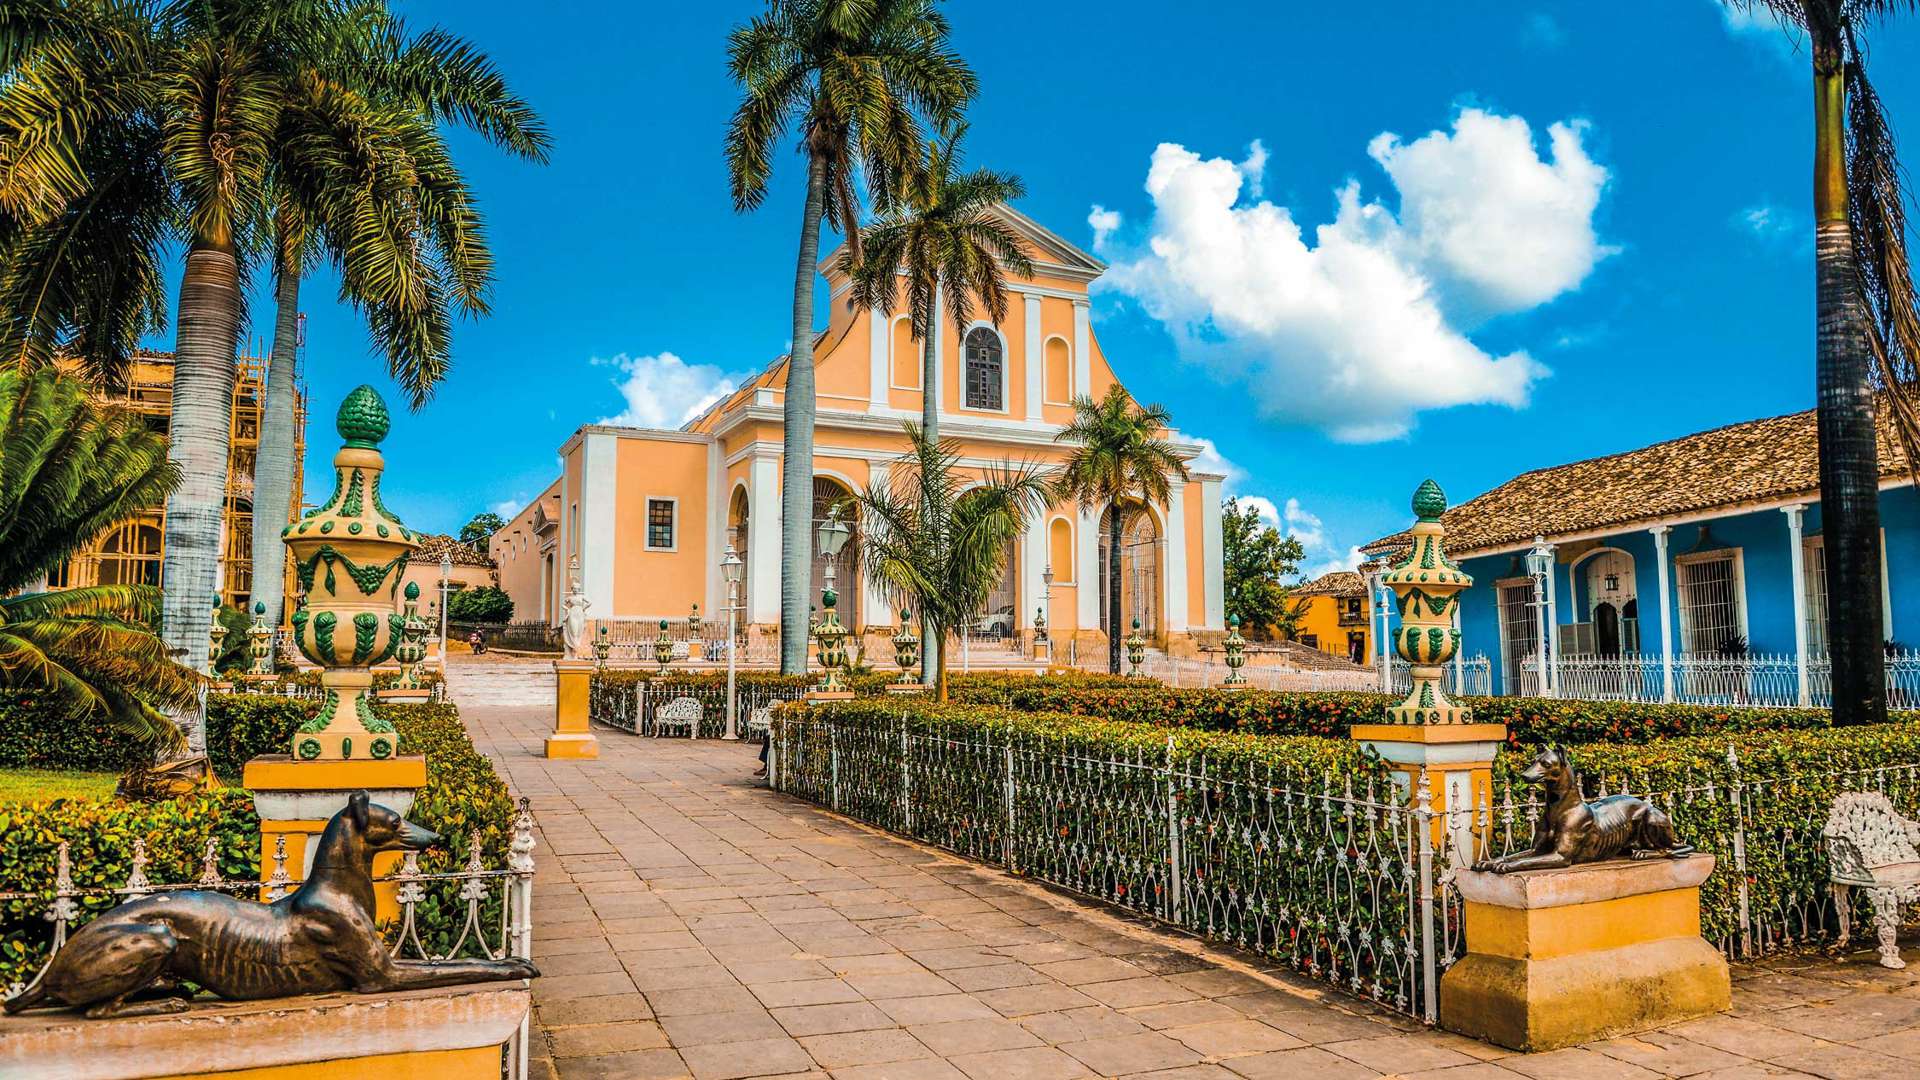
319	939
1571	831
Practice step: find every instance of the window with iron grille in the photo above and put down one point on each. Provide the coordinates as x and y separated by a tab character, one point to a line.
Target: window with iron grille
984	368
1710	604
660	524
1519	637
1816	571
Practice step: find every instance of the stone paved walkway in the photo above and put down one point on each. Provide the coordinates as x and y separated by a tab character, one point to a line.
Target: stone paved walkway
692	923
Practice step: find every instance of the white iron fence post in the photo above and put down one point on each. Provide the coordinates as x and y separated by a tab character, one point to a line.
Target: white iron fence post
1176	870
906	781
833	763
1736	791
1429	955
1008	844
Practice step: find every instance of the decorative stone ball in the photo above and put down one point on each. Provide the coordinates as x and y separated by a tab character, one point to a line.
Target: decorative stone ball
1429	502
363	419
413	590
259	607
1233	621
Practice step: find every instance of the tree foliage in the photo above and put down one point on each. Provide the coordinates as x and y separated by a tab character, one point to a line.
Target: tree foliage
72	468
1257	560
935	538
475	533
483	604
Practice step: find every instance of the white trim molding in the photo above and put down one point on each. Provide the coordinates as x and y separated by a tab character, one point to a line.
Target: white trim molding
1082	352
1178	615
1213	551
599	495
1034	362
879	357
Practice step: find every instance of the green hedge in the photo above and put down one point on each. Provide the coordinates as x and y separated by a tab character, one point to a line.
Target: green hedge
1787	782
1528	720
611	693
463	795
36	734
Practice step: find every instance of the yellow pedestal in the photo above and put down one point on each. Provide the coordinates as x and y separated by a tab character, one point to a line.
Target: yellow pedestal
1559	957
296	799
1458	761
570	738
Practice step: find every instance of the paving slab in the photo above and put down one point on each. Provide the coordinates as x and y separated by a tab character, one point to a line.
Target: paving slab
691	922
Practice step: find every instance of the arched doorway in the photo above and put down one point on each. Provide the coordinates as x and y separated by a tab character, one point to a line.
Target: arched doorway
737	525
1612	603
826	493
1139	572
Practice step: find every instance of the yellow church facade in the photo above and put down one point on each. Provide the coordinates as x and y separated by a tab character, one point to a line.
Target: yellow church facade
647	514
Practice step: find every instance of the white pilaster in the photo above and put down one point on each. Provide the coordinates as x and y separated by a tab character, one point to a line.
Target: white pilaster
1033	559
562	551
879	359
1213	554
599	489
875	610
1035	359
1087	570
763	540
1660	533
1178	616
716	531
1082	348
1797	558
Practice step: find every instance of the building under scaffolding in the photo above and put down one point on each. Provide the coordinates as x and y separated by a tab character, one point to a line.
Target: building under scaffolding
131	554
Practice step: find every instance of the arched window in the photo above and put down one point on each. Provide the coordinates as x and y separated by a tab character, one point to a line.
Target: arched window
1059	372
984	370
906	355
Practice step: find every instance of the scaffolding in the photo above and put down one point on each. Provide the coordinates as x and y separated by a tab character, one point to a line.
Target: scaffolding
131	554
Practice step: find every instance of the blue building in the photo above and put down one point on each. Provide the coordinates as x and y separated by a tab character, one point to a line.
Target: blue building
1690	570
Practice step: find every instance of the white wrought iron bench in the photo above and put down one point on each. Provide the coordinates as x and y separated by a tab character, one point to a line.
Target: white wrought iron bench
680	714
1870	847
759	720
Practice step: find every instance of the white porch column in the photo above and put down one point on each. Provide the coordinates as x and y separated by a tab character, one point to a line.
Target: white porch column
879	350
1035	360
1213	554
1082	348
1660	533
1551	670
1087	572
1797	558
763	539
1178	616
716	532
1381	600
599	489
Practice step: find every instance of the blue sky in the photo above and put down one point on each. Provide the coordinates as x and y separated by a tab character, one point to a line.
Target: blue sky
1592	218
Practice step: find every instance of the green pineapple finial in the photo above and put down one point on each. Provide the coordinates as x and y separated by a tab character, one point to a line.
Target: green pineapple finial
362	420
1429	502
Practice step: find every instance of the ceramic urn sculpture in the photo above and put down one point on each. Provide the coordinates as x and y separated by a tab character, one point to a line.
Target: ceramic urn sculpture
349	555
1426	587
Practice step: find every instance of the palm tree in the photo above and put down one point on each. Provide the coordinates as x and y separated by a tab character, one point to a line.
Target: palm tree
937	539
241	109
1867	330
854	77
76	468
946	238
439	78
1120	459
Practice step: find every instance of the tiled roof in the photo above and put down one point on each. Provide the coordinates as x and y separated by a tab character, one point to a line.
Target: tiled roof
434	545
1755	462
1338	583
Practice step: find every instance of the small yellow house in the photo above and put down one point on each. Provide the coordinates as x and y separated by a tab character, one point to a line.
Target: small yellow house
648	513
1338	617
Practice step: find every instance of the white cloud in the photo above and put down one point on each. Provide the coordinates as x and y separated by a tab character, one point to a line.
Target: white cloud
1365	326
1774	226
1263	506
1321	553
507	508
664	391
1759	25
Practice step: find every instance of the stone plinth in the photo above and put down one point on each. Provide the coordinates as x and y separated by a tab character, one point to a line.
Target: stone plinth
296	799
1558	957
455	1033
573	679
397	695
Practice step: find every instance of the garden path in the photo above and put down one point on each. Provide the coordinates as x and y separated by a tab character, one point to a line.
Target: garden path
689	922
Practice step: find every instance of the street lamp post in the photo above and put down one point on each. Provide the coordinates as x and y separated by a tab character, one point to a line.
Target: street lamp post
833	536
446	583
730	567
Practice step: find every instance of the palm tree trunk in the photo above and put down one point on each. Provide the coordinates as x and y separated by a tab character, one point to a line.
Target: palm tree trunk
930	423
199	430
273	468
1849	460
796	466
1114	630
937	652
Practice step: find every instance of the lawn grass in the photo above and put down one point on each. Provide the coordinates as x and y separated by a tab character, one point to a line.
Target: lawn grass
34	785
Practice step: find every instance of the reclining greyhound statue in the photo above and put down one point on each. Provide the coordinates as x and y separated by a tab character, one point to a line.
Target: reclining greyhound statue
320	939
1572	831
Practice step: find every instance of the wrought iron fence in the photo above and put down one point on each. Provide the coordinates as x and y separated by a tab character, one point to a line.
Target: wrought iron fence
636	706
1766	680
1351	887
1473	675
528	636
631	640
1333	881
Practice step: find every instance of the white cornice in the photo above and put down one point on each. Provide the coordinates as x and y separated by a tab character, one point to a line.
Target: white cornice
647	434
